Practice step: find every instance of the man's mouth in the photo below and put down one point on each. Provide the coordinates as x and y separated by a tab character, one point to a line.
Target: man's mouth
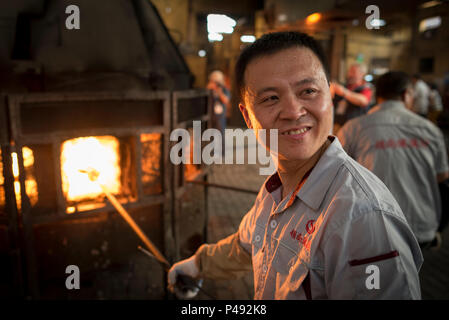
296	131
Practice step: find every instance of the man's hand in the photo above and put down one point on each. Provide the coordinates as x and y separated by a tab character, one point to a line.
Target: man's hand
338	89
213	86
354	98
186	267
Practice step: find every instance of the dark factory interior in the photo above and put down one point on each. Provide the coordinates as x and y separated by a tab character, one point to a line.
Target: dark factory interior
103	84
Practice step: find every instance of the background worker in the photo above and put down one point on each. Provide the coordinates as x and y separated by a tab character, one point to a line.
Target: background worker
222	96
435	103
421	96
406	151
221	101
353	99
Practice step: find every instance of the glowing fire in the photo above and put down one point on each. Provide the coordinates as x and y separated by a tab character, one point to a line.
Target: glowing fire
191	170
30	182
99	153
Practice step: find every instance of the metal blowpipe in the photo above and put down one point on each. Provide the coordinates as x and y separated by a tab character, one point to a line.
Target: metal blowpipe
93	176
184	282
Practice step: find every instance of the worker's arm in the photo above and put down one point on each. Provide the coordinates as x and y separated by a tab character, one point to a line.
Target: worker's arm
359	99
374	256
226	259
219	92
223	97
230	257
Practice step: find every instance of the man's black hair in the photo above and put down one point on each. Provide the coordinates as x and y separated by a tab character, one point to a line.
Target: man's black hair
392	85
271	43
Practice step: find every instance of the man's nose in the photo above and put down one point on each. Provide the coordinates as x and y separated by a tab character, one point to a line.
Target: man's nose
292	108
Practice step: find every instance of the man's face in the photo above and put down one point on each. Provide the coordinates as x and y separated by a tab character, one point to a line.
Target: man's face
355	75
288	91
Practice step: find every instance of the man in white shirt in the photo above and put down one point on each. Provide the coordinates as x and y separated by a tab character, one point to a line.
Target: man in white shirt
405	151
322	226
421	97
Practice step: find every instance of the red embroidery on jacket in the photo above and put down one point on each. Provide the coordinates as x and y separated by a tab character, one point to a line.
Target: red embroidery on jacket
310	226
304	240
401	143
357	262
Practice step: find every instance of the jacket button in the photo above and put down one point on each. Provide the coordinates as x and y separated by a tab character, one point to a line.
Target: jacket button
273	224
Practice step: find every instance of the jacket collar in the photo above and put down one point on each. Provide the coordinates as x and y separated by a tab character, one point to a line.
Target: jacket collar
314	189
386	105
323	174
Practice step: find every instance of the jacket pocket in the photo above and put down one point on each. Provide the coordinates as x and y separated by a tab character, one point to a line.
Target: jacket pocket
292	268
257	240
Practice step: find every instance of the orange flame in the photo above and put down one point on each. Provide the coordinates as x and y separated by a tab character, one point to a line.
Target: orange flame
30	182
81	154
191	170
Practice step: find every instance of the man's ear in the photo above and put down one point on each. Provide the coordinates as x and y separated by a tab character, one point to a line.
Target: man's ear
407	98
244	112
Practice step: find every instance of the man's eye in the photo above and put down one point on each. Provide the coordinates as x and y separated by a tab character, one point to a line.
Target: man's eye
309	91
269	99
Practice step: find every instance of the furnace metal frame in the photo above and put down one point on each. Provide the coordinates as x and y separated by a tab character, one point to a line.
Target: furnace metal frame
9	219
179	109
56	139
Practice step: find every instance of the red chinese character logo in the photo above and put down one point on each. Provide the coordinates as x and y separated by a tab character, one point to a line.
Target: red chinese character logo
310	226
293	234
380	144
391	143
402	143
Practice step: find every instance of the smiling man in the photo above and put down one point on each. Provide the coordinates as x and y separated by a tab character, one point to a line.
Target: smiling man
322	226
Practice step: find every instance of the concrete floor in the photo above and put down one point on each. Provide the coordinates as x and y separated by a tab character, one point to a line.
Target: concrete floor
227	208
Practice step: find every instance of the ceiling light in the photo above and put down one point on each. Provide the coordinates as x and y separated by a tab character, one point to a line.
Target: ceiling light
430	4
378	22
313	18
220	23
247	38
214	36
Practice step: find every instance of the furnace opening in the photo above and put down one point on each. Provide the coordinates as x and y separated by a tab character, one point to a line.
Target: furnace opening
100	153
